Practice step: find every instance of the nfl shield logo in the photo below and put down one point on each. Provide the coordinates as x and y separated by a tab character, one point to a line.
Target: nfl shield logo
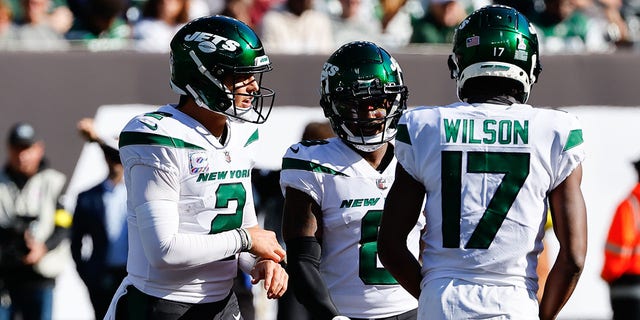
227	156
381	183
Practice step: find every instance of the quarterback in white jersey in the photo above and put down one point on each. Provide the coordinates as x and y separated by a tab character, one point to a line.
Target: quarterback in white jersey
199	187
490	167
335	191
191	217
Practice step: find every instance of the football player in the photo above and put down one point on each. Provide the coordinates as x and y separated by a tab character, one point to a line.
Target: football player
335	191
191	216
487	165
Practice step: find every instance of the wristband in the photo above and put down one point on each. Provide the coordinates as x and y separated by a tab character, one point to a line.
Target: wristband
245	240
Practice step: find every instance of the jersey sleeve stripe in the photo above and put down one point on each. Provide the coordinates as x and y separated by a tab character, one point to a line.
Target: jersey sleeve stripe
130	138
290	163
254	137
574	139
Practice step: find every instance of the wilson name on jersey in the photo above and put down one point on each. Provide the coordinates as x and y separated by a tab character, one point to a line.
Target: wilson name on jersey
351	194
487	170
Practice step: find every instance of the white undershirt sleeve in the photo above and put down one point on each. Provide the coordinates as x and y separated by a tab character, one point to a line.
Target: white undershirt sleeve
155	202
246	261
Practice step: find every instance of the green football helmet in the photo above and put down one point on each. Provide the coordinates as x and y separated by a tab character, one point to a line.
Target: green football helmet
209	49
496	41
363	76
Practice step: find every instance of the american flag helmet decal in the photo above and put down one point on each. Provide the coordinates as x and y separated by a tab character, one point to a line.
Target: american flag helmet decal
473	41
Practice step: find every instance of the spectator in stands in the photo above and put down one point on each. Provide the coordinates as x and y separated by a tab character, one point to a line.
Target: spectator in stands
239	9
395	17
564	28
161	19
59	17
295	27
526	7
260	7
631	13
100	26
439	22
350	25
35	31
6	16
7	27
618	31
101	216
201	8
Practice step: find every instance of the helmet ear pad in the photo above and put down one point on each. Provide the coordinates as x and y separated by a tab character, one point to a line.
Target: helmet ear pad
216	98
218	72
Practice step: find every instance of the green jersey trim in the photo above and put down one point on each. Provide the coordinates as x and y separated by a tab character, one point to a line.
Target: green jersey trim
403	134
253	138
574	139
290	163
131	138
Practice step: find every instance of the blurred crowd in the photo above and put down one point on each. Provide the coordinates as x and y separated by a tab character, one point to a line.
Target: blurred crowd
308	26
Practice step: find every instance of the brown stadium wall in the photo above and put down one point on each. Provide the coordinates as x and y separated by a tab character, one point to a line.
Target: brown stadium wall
54	90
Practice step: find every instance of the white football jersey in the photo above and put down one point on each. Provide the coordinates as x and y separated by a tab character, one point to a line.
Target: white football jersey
185	189
351	194
487	170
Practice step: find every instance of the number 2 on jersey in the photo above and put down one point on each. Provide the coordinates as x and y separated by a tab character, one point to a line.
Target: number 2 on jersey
514	166
225	193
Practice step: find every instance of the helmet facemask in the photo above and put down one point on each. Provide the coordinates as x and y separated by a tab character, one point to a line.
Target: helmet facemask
366	115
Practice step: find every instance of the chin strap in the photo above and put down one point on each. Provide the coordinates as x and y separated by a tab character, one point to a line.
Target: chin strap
196	97
368	147
204	71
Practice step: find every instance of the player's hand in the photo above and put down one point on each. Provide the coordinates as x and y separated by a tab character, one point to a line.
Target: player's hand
87	129
275	277
265	245
37	250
